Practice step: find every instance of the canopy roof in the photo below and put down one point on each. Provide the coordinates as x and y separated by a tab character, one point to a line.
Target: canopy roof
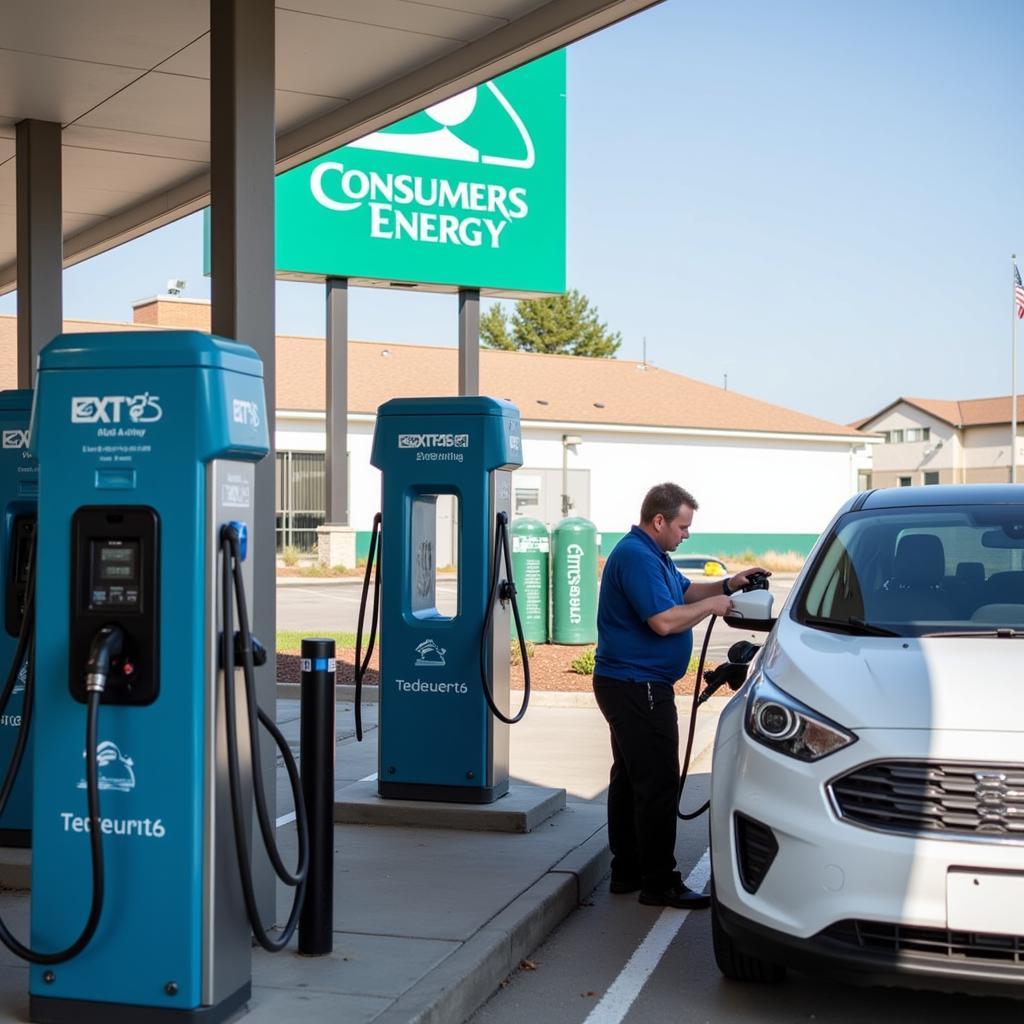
128	80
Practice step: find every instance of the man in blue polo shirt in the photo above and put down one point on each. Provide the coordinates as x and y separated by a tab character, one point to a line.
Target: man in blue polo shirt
645	618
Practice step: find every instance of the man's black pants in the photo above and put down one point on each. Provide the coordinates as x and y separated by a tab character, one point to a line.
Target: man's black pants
644	779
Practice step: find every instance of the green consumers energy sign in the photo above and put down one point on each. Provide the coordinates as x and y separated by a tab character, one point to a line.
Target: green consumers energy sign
468	193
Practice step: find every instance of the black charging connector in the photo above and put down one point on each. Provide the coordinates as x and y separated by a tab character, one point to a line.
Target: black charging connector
106	647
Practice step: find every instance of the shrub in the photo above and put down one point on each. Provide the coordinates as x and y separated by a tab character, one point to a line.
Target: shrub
514	653
290	556
583	664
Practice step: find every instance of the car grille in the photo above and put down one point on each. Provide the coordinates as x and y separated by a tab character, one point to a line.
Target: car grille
951	798
879	937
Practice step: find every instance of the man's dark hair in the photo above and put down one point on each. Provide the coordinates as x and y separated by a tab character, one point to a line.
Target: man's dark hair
665	499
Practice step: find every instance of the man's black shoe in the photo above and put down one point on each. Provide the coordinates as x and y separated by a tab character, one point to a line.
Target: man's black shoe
676	896
620	886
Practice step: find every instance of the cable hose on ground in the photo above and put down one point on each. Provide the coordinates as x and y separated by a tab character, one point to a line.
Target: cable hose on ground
690	815
372	565
232	582
502	549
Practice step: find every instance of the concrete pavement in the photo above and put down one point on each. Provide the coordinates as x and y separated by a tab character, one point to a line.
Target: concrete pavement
427	921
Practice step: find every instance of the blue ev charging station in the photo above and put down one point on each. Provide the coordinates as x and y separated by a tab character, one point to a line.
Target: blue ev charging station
19	488
438	737
146	445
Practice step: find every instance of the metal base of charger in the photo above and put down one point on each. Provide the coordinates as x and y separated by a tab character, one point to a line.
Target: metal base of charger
46	1010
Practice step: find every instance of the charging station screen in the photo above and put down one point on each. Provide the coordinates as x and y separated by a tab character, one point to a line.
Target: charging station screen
115	573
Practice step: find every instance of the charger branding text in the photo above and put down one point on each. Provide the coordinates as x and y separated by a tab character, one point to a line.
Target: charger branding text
144	408
433	440
245	412
146	828
426	686
15	438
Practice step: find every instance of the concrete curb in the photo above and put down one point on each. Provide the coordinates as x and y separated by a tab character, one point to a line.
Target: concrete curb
460	985
345	581
346	693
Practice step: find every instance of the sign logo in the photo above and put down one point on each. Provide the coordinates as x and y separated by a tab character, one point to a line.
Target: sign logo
514	442
433	440
144	408
245	412
116	771
430	654
469	192
15	439
469	213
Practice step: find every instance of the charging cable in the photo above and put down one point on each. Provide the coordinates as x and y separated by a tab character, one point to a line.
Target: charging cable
106	645
732	674
232	584
503	590
372	566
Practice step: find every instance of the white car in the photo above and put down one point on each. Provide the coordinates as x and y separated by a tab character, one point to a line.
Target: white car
867	790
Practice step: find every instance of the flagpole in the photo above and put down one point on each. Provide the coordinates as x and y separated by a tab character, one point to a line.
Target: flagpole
1013	371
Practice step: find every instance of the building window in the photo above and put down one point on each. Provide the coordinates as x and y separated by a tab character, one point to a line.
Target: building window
300	499
931	477
918	434
905	481
894	436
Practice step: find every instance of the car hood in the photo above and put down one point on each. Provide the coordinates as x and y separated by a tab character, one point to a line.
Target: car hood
972	683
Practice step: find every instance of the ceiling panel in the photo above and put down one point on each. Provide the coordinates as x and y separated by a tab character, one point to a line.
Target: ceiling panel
129	33
505	9
53	89
328	56
158	104
101	183
292	109
76	221
445	20
342	58
89	137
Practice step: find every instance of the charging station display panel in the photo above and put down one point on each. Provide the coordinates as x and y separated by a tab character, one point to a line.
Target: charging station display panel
434	546
114	581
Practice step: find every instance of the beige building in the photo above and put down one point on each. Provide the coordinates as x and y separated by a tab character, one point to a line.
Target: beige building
767	477
929	441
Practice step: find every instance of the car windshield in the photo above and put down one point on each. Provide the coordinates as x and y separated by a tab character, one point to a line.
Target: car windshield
917	571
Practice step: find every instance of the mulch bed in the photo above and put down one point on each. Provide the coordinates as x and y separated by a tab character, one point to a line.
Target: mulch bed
549	670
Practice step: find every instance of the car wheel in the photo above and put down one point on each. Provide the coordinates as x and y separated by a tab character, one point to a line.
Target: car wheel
736	965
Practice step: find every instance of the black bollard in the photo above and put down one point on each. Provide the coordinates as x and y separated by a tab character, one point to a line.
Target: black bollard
317	737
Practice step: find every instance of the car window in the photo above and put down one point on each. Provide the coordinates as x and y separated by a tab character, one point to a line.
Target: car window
921	570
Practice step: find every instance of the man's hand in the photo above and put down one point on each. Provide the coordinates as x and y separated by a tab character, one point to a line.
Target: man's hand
740	580
719	606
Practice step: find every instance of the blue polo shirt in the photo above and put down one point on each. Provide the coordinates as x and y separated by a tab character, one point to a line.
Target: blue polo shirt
639	580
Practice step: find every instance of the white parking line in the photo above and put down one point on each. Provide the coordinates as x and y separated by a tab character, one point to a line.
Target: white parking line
615	1003
285	818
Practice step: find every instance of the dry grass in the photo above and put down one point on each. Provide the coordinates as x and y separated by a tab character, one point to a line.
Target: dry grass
774	561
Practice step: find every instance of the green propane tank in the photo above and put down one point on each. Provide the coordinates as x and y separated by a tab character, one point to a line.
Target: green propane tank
574	582
530	546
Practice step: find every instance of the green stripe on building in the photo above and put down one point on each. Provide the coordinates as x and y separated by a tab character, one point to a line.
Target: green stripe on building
729	544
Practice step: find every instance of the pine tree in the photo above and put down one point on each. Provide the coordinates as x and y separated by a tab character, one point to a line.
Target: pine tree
494	329
563	324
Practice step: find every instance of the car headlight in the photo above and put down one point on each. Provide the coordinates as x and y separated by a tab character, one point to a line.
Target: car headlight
783	723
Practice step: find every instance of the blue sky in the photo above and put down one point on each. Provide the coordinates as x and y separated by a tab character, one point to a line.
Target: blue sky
819	200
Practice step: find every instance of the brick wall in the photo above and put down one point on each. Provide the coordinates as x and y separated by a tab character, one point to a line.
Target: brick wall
171	311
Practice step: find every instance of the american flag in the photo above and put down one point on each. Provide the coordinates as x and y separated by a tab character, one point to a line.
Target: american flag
1018	292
